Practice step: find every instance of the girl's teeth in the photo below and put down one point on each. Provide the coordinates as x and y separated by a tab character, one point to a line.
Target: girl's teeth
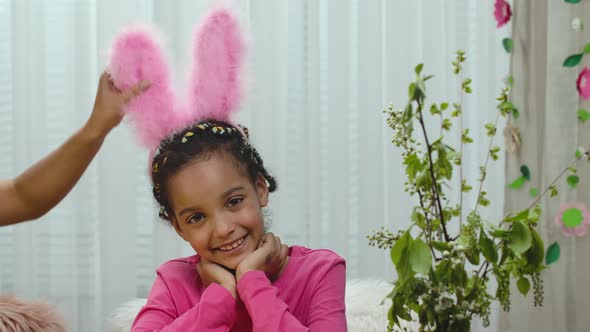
233	245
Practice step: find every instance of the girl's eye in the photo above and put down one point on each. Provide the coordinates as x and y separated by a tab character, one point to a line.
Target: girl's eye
234	201
195	218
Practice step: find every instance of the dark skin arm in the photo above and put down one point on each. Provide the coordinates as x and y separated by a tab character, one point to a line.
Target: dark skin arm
42	186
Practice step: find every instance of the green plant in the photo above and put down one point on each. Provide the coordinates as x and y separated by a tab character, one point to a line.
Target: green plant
435	284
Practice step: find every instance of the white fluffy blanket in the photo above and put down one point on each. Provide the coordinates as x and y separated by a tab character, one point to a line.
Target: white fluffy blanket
21	316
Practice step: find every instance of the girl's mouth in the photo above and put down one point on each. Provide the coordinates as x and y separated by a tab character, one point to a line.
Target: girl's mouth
233	246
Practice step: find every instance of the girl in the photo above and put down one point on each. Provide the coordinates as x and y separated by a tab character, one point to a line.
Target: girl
211	185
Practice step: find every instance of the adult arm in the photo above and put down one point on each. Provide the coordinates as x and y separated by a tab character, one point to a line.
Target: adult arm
42	186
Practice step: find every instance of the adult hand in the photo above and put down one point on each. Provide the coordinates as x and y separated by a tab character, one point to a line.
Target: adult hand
108	104
271	257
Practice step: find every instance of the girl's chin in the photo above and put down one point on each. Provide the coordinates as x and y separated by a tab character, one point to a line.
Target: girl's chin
231	263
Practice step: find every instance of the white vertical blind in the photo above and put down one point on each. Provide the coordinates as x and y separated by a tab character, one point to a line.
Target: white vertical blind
320	73
7	162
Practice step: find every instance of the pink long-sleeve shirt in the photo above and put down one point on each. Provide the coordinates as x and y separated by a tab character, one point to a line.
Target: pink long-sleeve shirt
308	296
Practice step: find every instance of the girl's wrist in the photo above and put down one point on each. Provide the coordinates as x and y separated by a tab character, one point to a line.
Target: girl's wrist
241	272
231	288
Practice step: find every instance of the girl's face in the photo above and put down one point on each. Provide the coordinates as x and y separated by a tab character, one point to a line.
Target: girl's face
217	209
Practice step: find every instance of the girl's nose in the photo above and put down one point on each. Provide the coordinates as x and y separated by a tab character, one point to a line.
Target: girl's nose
223	227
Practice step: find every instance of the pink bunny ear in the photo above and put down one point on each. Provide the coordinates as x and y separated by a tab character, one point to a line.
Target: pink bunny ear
214	87
136	56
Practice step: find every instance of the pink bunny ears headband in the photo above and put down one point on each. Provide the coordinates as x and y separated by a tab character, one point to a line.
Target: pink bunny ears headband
214	87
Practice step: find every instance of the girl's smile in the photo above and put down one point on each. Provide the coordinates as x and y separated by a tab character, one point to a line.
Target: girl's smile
217	208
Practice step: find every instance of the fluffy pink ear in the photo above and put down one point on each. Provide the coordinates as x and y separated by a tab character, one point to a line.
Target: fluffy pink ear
136	56
215	89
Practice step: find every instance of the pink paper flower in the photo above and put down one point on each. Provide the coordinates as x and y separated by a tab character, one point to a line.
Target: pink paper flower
573	218
502	12
583	83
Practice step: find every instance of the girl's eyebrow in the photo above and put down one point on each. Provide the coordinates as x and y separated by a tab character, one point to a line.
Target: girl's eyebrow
231	191
187	210
225	194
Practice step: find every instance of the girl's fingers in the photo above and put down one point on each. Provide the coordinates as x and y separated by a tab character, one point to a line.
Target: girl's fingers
279	249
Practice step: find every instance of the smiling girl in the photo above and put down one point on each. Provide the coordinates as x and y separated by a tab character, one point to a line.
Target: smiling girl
211	186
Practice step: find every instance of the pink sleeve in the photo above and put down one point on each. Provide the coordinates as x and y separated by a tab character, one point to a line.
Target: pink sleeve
216	311
270	314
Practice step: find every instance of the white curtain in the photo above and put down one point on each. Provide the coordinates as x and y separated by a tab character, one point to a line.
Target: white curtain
545	93
320	73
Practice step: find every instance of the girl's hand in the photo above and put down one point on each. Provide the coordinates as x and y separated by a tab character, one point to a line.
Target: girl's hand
270	257
108	104
215	273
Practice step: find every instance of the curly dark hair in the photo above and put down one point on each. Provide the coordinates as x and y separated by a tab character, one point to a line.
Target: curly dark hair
199	141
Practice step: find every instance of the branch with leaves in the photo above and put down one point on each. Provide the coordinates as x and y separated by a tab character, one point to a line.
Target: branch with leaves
435	284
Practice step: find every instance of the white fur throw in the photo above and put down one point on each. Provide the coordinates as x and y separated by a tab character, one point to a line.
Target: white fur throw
21	316
364	311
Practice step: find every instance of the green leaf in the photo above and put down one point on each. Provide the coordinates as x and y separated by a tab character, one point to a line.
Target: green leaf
573	181
400	257
498	232
441	246
583	115
573	1
510	80
473	256
535	214
573	60
520	238
490	128
524	170
418	69
506	107
459	277
412	90
534	192
553	253
414	165
399	247
506	253
487	248
446	125
418	218
515	114
507	43
465	137
420	257
554	191
587	48
534	255
522	215
518	183
483	201
523	285
579	154
465	187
